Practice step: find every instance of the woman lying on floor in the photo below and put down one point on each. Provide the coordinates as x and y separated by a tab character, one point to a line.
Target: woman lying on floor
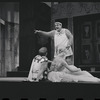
61	71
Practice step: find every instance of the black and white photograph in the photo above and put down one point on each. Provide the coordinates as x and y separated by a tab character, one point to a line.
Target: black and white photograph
49	50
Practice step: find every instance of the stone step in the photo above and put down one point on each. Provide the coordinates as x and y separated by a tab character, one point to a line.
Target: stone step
49	91
25	74
17	74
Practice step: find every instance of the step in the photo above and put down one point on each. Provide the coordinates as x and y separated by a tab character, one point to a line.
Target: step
49	91
25	74
17	74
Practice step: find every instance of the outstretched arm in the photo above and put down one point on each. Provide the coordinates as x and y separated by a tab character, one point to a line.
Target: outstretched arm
49	34
70	68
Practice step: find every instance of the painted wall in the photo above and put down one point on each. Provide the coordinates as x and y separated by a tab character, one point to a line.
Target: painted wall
9	37
73	9
9	11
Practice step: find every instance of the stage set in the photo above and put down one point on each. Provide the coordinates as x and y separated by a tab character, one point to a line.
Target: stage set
37	16
16	89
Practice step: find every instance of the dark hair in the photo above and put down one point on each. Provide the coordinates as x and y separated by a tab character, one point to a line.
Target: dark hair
68	56
43	51
58	23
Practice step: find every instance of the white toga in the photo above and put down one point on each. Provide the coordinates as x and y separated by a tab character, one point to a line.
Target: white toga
61	41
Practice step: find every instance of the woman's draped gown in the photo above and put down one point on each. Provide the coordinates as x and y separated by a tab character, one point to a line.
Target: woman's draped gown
62	72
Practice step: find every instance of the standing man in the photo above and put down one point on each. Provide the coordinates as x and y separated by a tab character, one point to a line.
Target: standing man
63	40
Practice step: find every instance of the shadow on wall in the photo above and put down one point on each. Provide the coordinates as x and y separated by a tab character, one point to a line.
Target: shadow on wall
38	17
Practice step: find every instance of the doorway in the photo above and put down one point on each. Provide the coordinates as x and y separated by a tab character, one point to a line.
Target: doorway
33	15
87	40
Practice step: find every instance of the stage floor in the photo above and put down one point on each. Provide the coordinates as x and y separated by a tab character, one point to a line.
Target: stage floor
12	79
16	87
22	79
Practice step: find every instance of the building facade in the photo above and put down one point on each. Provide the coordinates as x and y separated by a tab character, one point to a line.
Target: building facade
9	37
82	19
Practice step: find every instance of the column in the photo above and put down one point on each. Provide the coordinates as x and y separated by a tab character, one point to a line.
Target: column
70	27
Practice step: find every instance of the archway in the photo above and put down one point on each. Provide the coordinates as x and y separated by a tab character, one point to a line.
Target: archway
33	16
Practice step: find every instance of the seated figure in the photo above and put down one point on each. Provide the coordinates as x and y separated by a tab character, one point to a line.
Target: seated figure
38	66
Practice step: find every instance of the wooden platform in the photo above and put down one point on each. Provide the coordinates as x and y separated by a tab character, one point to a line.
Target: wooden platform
15	89
25	74
12	79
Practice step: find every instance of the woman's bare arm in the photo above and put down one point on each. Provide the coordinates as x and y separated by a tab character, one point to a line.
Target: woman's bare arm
72	69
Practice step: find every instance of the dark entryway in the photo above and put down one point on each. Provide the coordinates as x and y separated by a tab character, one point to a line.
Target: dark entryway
87	40
33	16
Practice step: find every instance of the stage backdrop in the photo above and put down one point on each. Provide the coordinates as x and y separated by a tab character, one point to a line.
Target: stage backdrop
33	16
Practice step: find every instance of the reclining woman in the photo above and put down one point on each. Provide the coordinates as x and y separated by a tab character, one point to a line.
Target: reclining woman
62	71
